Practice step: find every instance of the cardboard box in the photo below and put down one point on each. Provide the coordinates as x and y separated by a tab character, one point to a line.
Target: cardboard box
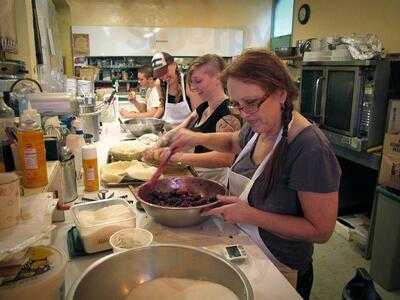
89	73
389	174
391	144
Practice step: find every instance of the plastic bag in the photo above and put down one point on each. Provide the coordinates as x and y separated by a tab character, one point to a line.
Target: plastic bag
363	47
361	287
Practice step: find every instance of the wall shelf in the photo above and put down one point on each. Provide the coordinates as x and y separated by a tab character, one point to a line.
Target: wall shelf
120	81
121	67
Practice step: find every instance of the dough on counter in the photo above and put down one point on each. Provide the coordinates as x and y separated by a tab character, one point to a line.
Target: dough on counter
128	150
140	170
169	288
114	172
149	139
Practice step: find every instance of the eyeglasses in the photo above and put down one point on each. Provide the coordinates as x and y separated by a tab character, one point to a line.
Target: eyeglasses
251	106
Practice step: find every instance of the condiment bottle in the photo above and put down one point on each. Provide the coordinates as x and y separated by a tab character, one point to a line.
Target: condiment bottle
90	169
75	142
31	150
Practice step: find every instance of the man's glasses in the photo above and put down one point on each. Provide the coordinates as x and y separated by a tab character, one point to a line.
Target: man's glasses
251	106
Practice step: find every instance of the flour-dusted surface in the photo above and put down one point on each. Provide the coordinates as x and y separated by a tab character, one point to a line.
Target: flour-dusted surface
169	288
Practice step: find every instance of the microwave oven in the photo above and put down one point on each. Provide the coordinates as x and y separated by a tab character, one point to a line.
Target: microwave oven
348	99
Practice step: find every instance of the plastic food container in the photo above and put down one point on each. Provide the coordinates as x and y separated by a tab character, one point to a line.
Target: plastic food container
46	286
130	238
97	221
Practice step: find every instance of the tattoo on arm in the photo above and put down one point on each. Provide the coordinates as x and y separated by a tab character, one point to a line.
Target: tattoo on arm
228	123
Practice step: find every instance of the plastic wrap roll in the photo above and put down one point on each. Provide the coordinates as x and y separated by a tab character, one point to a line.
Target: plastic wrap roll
51	103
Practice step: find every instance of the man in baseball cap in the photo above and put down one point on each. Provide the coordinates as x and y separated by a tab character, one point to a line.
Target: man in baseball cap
160	62
177	105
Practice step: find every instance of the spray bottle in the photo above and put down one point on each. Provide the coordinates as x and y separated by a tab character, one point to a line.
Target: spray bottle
31	150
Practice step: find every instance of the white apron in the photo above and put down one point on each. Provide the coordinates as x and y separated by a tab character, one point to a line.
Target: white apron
240	185
215	174
176	113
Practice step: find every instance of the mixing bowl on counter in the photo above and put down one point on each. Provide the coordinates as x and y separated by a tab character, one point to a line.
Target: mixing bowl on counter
174	216
141	126
130	238
164	271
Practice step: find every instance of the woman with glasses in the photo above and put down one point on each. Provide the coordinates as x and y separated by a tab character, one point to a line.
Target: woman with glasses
285	180
213	115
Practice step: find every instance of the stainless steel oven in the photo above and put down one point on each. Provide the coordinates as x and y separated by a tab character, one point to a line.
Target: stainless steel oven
347	99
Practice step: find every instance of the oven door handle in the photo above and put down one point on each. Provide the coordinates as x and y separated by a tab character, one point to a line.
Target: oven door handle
317	87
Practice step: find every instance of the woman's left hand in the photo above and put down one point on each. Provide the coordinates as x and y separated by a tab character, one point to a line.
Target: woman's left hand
155	155
233	210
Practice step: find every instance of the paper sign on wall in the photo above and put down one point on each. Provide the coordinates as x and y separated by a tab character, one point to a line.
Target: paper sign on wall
81	44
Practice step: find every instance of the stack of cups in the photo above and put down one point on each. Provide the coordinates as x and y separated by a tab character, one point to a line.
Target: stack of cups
85	88
10	206
71	86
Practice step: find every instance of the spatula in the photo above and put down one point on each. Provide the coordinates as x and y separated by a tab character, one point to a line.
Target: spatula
160	169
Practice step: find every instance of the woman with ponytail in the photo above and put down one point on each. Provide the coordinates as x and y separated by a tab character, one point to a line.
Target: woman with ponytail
285	180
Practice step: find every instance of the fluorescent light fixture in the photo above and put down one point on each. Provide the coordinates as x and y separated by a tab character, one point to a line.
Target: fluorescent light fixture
148	35
107	31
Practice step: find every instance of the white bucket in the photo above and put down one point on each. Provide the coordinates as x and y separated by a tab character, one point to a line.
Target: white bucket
46	286
10	200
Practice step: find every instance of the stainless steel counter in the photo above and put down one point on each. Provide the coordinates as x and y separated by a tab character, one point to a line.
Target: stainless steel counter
267	282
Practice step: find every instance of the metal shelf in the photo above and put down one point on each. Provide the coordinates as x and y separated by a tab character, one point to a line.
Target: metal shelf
369	160
121	67
120	81
296	57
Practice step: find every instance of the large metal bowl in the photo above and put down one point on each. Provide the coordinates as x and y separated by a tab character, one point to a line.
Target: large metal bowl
140	126
179	216
114	276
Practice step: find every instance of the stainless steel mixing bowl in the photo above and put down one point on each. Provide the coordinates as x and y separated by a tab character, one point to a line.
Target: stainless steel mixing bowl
114	276
141	126
179	216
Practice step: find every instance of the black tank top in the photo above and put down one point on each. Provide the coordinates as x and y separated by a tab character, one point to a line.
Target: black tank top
210	125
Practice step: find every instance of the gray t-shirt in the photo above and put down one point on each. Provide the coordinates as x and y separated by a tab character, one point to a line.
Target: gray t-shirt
311	166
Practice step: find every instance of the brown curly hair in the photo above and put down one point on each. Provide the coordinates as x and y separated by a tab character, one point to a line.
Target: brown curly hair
261	67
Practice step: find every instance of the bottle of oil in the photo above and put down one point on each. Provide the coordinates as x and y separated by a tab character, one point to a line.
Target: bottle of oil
90	169
31	150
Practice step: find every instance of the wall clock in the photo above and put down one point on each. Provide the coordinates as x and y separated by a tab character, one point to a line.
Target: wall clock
304	14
